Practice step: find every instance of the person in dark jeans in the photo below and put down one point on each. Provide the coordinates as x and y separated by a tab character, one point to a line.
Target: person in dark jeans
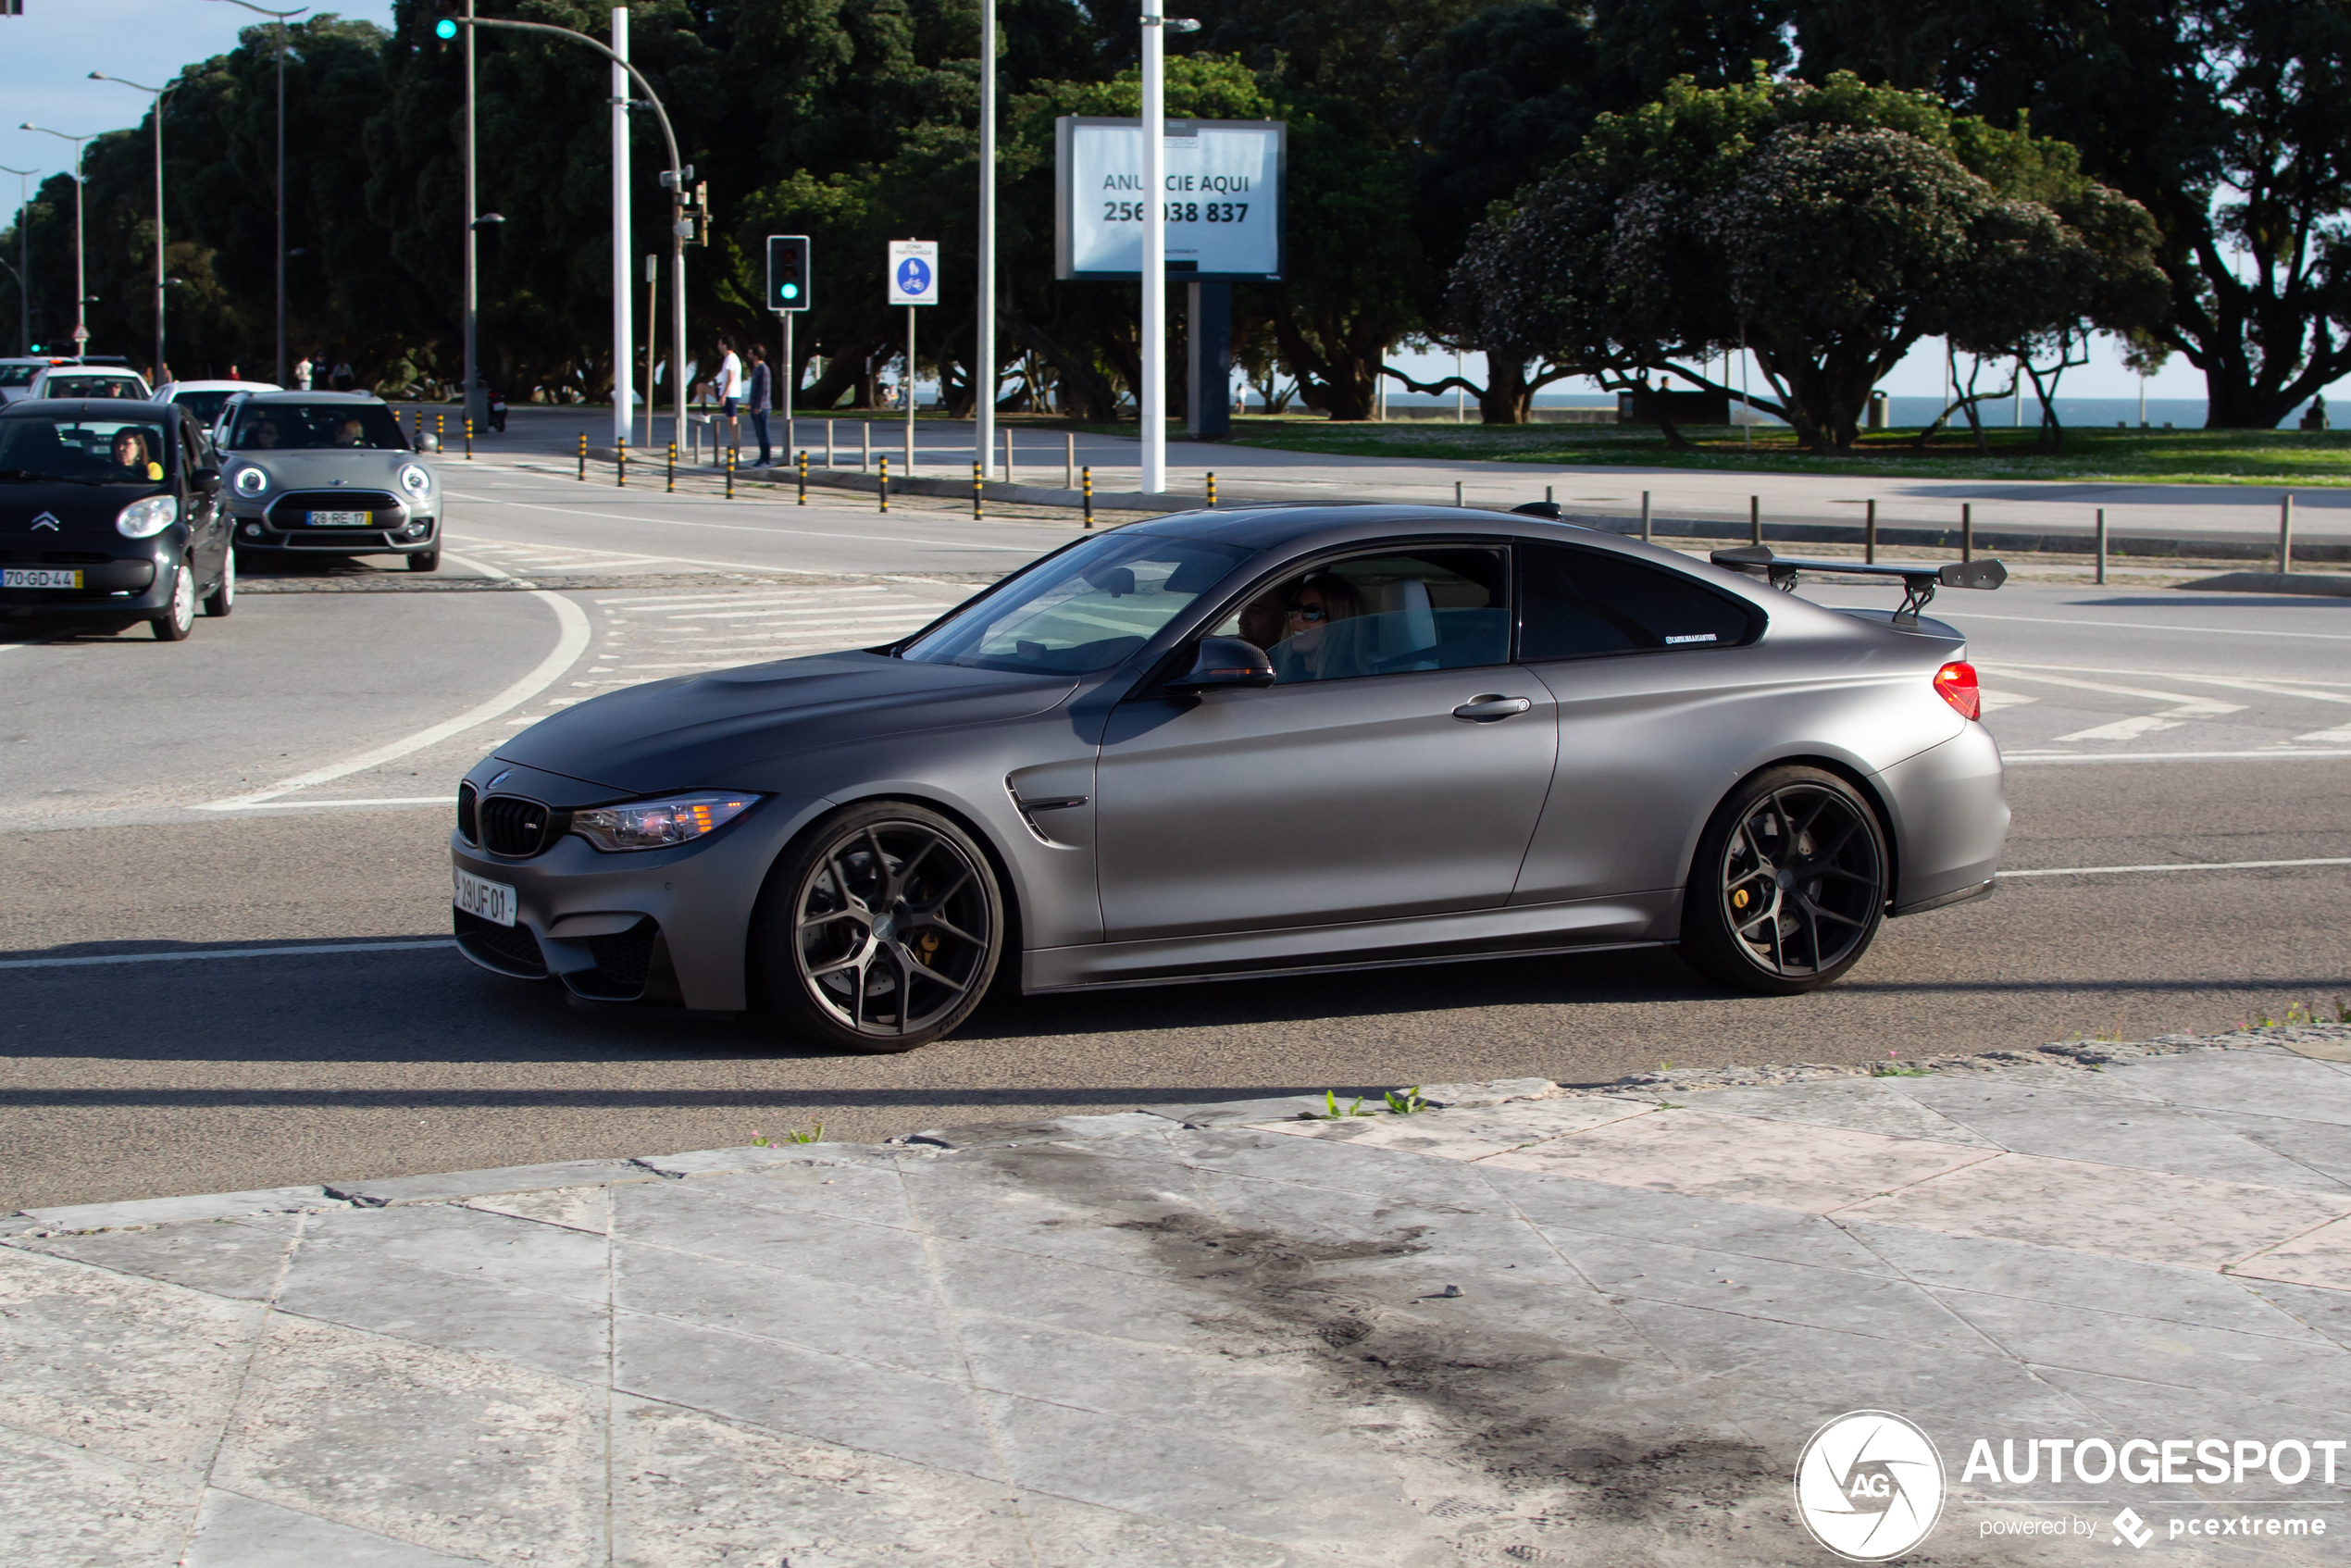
759	386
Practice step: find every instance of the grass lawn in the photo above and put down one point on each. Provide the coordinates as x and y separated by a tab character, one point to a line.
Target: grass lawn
2286	457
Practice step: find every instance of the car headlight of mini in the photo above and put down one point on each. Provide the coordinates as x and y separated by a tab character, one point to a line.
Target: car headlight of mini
415	481
657	824
144	519
252	481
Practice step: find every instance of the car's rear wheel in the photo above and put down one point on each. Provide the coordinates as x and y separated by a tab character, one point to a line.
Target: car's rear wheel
1789	884
179	613
223	599
878	931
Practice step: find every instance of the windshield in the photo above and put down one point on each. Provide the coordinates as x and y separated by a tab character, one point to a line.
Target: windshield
1081	611
91	386
264	426
18	375
91	451
205	405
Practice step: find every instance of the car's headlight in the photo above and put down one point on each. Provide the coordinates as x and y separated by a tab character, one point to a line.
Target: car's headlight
144	519
415	481
252	481
653	824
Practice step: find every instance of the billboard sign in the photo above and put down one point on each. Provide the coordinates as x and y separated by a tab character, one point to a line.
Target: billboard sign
914	273
1222	198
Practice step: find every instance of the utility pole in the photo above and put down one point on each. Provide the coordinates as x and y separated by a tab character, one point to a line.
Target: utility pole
24	256
81	287
624	344
476	405
281	18
984	360
1150	398
158	94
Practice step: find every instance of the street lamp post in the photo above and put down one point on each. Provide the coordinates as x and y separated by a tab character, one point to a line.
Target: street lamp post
81	287
281	18
24	256
677	182
984	361
158	94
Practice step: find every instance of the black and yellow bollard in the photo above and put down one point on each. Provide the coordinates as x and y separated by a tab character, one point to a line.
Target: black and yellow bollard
583	457
470	441
803	479
620	462
1087	475
440	429
730	473
670	488
885	482
978	473
1212	487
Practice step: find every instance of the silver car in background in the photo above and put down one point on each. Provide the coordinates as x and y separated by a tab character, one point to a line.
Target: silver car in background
327	474
1253	741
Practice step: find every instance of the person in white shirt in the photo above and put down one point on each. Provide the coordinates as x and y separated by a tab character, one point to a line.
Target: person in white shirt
731	388
301	374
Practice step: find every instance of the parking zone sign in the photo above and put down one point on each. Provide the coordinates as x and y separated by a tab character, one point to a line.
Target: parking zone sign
914	273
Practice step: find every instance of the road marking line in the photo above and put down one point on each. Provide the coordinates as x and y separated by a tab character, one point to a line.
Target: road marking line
575	512
570	642
2200	704
223	952
1995	701
2136	625
2339	736
2286	684
2148	724
2024	758
2176	865
365	800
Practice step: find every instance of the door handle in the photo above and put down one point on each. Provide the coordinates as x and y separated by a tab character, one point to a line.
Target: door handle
1493	705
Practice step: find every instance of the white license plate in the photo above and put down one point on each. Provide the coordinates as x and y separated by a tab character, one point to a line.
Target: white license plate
340	519
493	901
23	576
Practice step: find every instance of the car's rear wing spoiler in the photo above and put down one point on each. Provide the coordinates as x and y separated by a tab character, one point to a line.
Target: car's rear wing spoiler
1919	578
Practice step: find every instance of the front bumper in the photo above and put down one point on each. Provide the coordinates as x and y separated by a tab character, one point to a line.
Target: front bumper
412	530
136	581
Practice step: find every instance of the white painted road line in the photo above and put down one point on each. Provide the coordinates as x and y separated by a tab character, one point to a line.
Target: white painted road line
2080	625
2280	753
2176	865
306	951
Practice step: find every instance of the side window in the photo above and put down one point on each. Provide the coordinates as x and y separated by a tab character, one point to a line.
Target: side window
1580	603
1386	613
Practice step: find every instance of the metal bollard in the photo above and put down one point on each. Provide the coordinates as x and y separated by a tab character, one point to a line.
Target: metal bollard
804	473
865	452
2101	544
1755	519
620	462
980	471
2286	534
885	482
828	444
1212	487
1008	455
730	473
1868	536
1966	531
1457	494
1645	517
1069	460
1088	474
583	457
469	438
671	487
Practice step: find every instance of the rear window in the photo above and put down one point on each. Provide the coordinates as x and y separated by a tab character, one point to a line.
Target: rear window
264	426
1582	603
90	386
18	375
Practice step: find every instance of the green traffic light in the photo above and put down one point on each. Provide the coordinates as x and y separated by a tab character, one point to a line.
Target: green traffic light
444	28
792	290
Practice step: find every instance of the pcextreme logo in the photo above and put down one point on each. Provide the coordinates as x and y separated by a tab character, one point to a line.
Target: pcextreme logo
1868	1486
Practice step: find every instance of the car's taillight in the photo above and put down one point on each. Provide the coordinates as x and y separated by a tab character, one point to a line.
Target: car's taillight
1955	683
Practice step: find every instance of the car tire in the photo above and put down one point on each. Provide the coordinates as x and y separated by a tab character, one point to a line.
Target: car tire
425	560
878	931
222	599
1789	884
178	616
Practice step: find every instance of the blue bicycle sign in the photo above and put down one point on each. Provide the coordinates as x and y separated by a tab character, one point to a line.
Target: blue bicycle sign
914	273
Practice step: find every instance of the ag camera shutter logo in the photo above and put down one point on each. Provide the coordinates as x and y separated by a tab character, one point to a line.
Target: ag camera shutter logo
1868	1486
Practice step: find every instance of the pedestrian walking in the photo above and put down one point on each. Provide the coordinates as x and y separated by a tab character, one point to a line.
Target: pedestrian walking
341	378
301	374
760	398
730	390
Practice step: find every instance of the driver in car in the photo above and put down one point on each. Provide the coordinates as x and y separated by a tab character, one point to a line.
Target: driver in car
351	433
130	459
262	434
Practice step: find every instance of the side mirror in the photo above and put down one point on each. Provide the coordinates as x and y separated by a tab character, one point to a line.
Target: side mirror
206	480
428	442
1224	661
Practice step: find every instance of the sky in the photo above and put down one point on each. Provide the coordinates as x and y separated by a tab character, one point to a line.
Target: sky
46	56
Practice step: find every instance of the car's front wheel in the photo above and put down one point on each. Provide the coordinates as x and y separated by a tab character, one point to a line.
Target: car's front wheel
179	615
425	560
223	599
878	931
1789	884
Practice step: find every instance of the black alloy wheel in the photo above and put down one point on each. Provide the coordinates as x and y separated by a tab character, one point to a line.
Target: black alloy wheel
879	930
178	616
1789	884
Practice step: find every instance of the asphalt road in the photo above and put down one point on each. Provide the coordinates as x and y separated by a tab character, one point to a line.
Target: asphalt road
279	783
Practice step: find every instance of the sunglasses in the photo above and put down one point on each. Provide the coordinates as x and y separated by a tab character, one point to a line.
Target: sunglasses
1309	612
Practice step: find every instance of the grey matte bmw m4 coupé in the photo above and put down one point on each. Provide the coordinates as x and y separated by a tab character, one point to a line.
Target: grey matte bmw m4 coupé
1254	741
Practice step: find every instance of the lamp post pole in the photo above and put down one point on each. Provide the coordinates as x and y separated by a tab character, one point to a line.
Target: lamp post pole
1150	398
281	17
24	256
984	360
158	94
81	287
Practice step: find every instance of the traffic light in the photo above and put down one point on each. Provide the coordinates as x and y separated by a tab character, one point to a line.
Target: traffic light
788	284
701	212
444	27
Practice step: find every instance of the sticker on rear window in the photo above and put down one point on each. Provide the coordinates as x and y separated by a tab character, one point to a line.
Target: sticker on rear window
1694	637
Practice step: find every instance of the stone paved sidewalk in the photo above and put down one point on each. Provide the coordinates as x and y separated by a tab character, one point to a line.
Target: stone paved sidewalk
1533	1327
